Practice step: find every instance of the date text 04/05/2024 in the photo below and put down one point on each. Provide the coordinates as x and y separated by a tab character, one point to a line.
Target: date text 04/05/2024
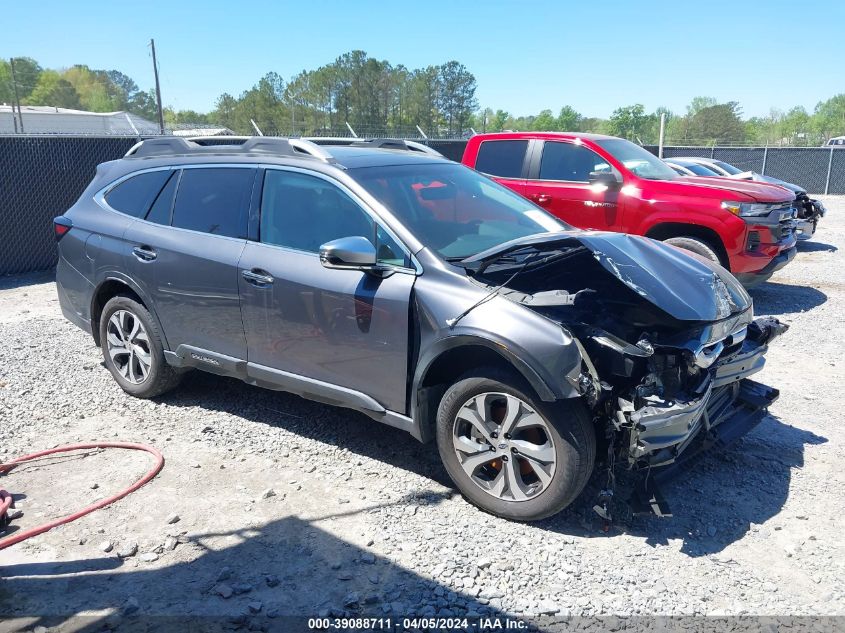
413	624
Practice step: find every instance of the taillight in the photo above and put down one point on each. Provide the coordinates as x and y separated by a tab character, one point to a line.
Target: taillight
61	225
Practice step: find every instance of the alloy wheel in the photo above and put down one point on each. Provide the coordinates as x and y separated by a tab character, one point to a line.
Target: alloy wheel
504	446
129	346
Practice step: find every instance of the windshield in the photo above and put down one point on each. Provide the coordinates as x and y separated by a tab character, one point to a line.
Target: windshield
733	171
639	161
452	209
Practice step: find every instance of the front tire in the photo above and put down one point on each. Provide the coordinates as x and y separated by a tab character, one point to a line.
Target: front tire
510	453
697	246
132	349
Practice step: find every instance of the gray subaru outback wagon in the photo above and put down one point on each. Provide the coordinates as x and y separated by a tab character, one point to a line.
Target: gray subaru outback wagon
384	278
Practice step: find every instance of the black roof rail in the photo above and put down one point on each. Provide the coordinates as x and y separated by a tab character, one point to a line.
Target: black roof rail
272	145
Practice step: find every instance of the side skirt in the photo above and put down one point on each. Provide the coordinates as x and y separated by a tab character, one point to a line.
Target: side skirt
278	380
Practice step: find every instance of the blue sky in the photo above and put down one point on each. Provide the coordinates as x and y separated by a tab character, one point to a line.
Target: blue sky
526	56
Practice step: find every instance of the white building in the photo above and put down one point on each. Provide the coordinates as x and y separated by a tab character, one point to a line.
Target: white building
50	120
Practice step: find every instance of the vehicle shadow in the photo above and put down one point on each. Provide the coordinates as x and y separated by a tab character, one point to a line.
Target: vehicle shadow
729	494
779	299
270	577
731	491
810	246
331	425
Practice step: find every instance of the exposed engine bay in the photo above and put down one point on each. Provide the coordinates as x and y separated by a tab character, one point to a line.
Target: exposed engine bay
665	368
810	211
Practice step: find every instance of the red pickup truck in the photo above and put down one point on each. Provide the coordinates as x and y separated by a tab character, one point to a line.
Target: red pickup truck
606	183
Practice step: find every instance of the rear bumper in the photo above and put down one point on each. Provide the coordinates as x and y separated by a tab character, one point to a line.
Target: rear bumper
73	289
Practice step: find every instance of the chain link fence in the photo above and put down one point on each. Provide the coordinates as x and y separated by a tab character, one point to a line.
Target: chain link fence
41	176
819	170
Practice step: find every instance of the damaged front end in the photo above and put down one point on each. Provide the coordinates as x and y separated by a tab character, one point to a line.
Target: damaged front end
810	211
662	428
668	342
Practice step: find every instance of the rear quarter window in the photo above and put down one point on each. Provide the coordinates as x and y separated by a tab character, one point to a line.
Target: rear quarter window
501	158
134	195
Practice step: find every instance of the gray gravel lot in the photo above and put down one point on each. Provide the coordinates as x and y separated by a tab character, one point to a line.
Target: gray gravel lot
291	507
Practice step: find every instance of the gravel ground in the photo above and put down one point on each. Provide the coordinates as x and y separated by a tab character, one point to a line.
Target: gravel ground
285	506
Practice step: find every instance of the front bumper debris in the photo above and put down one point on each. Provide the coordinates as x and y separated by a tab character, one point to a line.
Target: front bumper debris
808	221
744	405
805	229
669	436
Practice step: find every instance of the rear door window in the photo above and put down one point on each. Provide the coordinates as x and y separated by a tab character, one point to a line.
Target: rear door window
214	200
135	195
501	158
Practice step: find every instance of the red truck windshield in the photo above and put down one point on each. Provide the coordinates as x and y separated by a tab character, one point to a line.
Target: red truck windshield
637	160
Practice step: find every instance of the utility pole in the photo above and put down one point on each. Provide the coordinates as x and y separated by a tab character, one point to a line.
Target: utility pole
158	89
662	133
17	98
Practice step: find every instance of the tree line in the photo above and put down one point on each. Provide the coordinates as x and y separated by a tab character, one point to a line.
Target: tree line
704	122
77	87
355	90
375	97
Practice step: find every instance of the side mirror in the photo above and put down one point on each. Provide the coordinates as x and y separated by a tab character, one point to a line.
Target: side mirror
609	179
348	252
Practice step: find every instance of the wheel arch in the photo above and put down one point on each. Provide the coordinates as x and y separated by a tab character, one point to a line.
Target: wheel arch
454	356
665	230
112	285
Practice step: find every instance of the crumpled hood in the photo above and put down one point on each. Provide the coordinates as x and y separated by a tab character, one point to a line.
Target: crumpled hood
682	284
756	190
754	176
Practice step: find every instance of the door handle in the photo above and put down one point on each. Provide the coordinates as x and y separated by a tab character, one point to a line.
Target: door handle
257	277
144	253
541	198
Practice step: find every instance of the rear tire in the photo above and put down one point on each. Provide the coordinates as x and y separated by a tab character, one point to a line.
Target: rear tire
510	453
132	349
697	246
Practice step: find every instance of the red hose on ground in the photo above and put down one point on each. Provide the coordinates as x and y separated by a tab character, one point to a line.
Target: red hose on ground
6	498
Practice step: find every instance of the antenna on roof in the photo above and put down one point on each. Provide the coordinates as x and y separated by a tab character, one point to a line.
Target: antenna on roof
256	128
